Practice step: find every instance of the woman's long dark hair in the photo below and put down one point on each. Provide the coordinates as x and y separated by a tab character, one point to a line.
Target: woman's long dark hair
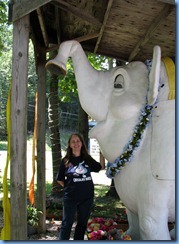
84	151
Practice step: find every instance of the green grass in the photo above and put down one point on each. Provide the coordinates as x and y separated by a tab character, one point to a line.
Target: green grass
48	188
106	206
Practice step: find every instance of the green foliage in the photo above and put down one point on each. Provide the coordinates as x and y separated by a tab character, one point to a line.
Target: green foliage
68	88
5	74
98	62
48	188
3	22
3	146
3	12
32	76
33	215
68	91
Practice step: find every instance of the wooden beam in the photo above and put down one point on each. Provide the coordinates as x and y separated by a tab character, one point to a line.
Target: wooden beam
152	28
167	1
57	24
103	25
24	7
79	39
77	11
19	129
10	11
87	37
43	27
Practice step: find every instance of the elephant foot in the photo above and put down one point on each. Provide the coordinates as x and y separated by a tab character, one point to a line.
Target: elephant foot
133	230
133	233
55	68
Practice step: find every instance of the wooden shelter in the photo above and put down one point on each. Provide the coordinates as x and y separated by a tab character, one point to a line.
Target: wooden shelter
123	29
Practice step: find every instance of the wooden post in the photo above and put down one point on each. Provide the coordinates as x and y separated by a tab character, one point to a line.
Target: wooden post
19	129
41	130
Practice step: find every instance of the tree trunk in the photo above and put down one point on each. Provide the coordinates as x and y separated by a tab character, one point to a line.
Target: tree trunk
83	126
54	130
112	190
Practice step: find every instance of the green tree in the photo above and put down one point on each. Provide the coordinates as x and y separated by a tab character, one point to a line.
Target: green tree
5	75
54	130
3	22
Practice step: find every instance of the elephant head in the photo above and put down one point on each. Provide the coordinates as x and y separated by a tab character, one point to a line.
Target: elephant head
113	98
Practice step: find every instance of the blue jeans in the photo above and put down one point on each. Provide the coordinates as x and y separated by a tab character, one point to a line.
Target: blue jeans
70	208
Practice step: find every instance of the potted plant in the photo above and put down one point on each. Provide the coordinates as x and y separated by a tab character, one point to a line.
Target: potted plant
32	219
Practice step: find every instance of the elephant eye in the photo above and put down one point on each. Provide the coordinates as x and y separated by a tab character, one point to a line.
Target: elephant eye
119	82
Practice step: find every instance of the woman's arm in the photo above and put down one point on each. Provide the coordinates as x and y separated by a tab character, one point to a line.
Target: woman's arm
60	183
102	164
94	165
60	178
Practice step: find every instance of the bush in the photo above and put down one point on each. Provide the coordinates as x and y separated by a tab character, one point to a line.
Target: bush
33	215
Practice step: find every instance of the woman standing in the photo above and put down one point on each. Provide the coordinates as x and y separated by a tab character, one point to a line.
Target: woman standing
75	176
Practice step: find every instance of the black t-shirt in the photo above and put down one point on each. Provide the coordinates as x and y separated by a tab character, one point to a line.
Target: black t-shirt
76	174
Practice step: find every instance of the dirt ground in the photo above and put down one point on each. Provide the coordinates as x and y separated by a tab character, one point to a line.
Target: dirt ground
52	230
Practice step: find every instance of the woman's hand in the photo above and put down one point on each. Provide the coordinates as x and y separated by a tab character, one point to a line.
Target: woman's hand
60	183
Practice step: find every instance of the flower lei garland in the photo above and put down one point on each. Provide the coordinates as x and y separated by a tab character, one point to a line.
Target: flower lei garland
134	142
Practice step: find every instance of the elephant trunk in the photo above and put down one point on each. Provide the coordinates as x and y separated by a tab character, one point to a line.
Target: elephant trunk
90	91
67	49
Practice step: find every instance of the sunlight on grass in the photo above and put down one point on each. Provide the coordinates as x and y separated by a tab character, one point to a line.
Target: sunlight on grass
105	206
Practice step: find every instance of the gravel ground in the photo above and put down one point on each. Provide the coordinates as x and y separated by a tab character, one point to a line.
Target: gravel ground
52	232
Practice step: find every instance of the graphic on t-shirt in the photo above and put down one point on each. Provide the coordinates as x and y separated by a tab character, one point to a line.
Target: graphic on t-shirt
79	170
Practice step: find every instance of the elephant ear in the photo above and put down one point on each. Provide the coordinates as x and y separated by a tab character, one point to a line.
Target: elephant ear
154	76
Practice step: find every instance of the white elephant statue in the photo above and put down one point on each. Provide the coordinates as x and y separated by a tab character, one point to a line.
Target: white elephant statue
135	112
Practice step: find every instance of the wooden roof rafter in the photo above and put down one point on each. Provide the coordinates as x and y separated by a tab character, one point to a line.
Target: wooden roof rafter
57	24
77	11
103	25
79	39
24	7
154	25
43	27
167	1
